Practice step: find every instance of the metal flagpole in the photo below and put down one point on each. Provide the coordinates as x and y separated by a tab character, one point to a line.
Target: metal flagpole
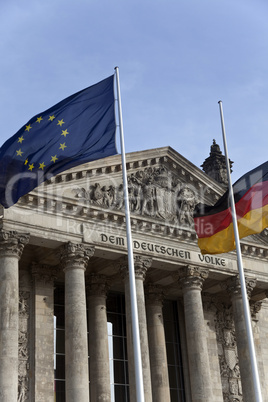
254	367
132	285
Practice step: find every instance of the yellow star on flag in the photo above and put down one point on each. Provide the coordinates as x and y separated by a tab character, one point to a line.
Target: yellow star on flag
28	128
26	162
41	165
31	167
39	119
62	146
60	122
64	132
19	152
54	158
51	118
20	139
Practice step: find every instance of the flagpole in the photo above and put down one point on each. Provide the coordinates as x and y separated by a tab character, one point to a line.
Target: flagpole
254	367
132	285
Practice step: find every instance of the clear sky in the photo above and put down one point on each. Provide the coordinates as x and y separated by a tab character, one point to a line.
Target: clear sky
177	59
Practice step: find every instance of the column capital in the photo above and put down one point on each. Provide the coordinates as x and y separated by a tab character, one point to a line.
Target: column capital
255	307
12	243
233	286
75	255
154	294
141	265
44	273
192	277
97	285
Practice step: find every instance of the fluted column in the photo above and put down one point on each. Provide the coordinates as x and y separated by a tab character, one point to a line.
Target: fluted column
191	279
234	289
141	264
74	259
157	343
100	389
11	247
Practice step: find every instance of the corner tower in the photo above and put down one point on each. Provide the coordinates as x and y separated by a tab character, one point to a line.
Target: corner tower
215	165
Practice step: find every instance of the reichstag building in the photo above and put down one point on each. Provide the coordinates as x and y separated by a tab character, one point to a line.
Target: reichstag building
66	332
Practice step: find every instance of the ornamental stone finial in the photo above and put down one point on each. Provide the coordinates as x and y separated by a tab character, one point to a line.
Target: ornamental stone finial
215	165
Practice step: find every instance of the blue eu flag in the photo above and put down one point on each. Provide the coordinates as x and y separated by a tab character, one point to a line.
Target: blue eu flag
79	129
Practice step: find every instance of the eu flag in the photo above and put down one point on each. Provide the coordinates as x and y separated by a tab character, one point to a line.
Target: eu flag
79	129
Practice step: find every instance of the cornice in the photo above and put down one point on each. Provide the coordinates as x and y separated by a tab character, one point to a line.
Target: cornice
158	187
135	160
71	208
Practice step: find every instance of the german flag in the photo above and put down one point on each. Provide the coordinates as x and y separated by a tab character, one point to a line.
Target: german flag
214	225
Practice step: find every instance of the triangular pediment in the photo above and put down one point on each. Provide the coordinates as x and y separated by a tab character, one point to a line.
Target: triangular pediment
162	186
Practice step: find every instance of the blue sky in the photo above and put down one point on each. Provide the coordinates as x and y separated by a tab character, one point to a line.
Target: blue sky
177	59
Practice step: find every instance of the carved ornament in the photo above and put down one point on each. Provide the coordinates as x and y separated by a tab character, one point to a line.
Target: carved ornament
153	192
192	277
97	285
12	243
255	307
227	352
154	294
141	265
23	347
44	273
75	255
233	286
215	165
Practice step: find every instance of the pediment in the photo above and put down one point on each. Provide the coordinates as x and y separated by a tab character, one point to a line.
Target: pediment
162	186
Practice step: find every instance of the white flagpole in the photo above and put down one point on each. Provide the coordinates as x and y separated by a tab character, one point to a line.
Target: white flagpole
132	285
254	367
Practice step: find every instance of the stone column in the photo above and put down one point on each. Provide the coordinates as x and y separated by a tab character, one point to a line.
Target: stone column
191	279
141	264
157	343
74	259
43	280
11	247
234	289
100	389
255	308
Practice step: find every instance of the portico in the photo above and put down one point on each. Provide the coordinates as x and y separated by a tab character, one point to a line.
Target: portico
63	263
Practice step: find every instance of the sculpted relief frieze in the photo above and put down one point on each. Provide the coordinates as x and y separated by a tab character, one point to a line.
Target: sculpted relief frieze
23	346
153	192
228	356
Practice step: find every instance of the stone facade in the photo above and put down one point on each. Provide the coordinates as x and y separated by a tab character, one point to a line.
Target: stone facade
64	269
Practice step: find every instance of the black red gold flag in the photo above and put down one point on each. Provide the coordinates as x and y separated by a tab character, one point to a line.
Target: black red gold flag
214	225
